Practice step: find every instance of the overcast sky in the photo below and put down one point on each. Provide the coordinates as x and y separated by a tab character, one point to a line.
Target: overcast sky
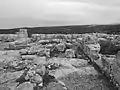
25	13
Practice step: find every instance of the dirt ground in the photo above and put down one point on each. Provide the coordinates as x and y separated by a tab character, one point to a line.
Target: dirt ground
76	82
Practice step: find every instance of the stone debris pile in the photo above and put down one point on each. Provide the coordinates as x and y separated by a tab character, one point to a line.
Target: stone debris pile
60	62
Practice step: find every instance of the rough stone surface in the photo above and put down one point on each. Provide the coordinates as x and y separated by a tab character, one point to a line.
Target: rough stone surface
22	71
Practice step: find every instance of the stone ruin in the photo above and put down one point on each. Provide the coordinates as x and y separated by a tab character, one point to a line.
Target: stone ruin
22	34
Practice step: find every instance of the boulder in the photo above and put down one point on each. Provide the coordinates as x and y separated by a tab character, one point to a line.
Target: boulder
32	52
40	60
25	86
29	57
61	72
77	62
43	52
37	79
42	70
10	76
61	47
4	88
3	52
69	45
6	59
79	40
89	70
108	47
23	51
117	40
118	58
70	53
10	53
89	39
92	50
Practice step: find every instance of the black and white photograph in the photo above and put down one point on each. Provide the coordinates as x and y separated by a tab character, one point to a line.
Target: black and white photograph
59	44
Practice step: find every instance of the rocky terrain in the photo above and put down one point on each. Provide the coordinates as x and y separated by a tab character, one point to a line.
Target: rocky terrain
77	61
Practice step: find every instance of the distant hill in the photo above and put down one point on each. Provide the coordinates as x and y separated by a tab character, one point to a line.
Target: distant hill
78	29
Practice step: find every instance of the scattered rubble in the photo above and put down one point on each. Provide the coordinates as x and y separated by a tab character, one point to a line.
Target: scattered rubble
66	60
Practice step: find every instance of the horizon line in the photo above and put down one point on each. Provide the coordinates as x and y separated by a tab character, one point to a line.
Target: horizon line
25	27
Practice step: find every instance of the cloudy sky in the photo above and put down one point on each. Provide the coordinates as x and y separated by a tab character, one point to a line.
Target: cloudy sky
26	13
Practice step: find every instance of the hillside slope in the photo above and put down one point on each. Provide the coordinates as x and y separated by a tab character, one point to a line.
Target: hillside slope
114	29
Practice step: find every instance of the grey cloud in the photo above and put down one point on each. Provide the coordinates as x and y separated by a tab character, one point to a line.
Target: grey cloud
18	13
99	2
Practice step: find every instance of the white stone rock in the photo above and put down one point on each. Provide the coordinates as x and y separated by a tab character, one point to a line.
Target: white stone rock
70	53
27	57
118	57
61	47
25	86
